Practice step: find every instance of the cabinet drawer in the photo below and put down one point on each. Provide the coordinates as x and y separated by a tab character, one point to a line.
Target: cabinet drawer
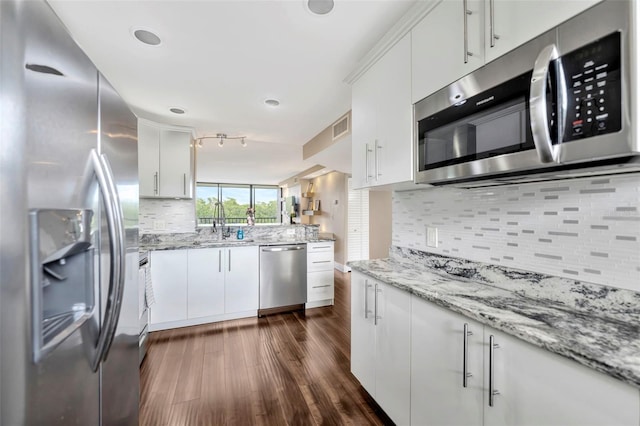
322	261
319	286
318	247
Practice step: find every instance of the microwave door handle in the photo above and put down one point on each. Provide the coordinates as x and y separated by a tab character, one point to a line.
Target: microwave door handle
547	152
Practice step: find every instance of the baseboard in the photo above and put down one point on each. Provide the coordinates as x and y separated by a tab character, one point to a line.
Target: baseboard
202	320
319	303
342	268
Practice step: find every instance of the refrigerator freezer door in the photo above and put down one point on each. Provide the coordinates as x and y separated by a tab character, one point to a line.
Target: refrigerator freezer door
60	95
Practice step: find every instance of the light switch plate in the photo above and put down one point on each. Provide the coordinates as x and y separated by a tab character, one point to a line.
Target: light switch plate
159	225
432	237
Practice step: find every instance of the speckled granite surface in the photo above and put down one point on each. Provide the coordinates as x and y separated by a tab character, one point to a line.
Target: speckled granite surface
253	236
594	325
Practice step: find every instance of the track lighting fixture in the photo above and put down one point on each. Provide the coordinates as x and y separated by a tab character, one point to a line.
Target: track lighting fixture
221	138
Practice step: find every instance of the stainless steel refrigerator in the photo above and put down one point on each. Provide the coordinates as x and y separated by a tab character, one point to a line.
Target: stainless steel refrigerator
68	231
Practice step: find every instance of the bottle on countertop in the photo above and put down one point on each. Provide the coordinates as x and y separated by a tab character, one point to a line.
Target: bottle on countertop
240	234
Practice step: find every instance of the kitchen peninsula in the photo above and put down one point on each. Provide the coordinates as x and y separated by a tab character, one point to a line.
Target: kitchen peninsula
200	277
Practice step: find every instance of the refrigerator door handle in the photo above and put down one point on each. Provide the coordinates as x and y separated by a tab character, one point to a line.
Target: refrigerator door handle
115	224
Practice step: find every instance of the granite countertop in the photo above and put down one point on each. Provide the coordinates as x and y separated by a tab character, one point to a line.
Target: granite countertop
232	242
594	325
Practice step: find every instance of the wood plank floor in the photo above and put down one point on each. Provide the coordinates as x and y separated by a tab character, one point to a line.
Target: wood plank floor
284	369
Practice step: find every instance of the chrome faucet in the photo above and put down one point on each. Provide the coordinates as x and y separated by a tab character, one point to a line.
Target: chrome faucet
219	213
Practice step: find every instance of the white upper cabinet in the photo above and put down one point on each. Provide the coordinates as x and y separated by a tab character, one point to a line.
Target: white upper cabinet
382	149
516	22
165	161
446	45
458	36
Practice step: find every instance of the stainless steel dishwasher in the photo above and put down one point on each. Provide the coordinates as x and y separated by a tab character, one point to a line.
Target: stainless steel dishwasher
283	278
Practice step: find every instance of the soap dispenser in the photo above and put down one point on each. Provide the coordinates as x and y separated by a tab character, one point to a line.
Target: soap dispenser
240	234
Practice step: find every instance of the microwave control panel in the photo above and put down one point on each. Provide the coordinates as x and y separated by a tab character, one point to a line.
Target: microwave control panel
592	76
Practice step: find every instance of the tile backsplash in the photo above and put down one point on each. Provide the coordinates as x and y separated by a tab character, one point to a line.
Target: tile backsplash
586	229
166	216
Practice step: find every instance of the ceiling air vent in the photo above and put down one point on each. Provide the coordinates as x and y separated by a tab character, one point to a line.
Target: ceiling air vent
341	127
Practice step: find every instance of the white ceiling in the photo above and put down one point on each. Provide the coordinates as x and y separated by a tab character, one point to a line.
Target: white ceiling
220	59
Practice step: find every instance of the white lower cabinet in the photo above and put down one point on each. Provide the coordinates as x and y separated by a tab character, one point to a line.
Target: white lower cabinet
381	344
320	284
241	279
537	387
205	289
438	392
531	386
169	277
203	285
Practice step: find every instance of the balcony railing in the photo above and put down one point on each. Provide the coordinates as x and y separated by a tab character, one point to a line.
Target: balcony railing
237	220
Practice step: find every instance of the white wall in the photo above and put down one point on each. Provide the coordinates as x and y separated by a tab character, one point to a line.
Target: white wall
587	229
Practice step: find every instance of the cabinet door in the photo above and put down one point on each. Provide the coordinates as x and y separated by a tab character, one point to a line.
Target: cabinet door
438	396
363	112
148	160
363	332
393	145
206	283
175	164
437	46
540	388
169	277
241	279
393	352
516	22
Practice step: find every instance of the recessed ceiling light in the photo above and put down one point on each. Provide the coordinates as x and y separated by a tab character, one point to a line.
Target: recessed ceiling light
146	37
320	7
272	102
177	110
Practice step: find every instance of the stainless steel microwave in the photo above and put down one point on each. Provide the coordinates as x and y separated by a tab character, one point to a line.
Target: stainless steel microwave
563	105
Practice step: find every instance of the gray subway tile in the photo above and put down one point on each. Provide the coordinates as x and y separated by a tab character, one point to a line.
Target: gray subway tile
605	227
626	209
490	229
564	234
597	191
548	256
625	238
512	244
551	213
599	254
481	247
545	240
600	181
592	271
571	272
519	213
559	189
571	221
551	197
571	209
508	257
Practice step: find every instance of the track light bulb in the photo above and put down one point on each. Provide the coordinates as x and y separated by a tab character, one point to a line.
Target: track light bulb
243	143
220	142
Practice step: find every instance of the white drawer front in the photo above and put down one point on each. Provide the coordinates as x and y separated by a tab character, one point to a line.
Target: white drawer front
319	286
318	247
322	261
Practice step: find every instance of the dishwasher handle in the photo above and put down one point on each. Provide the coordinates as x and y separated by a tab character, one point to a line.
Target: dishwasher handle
291	248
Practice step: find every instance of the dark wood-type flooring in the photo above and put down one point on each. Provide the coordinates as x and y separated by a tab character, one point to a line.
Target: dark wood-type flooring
283	369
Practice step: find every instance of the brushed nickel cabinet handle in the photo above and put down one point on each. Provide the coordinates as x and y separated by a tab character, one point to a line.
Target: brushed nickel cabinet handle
466	12
492	392
465	355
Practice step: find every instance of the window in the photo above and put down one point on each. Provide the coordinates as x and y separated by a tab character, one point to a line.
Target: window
236	200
